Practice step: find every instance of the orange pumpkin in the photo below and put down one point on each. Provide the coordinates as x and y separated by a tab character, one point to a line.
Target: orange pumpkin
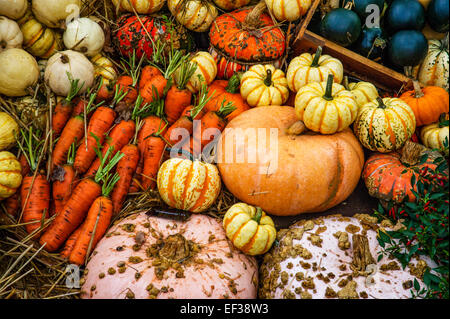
427	103
296	173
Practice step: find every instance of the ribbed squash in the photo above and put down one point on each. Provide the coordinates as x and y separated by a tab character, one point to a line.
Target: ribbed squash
307	68
104	67
192	186
435	136
249	229
427	103
364	92
141	6
10	174
231	4
10	34
384	125
264	85
205	73
288	10
195	15
326	107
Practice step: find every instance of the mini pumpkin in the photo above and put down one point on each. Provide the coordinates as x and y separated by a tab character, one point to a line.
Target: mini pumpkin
205	73
249	229
288	10
435	136
326	107
364	92
231	4
84	35
104	67
195	15
192	186
307	68
10	174
13	9
53	13
141	6
10	34
384	125
8	129
427	103
264	85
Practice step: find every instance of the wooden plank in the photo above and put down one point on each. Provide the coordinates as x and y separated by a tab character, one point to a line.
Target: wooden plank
305	22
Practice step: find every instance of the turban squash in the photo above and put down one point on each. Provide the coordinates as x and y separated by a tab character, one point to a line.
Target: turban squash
10	174
316	171
245	37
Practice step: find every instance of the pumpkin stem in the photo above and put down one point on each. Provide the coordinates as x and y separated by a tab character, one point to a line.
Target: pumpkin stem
381	103
296	129
253	20
411	153
268	79
329	89
417	90
349	5
64	58
233	83
258	215
315	62
346	84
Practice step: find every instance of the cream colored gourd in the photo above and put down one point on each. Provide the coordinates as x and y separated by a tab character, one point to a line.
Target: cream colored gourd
85	36
141	6
53	13
10	174
288	10
364	92
326	107
436	135
307	68
195	15
205	73
264	85
231	4
18	72
249	229
10	34
13	9
71	62
8	130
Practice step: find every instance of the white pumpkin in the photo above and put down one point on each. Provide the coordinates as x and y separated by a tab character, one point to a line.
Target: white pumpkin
13	9
205	72
141	6
10	34
53	13
71	62
289	10
85	36
196	15
18	72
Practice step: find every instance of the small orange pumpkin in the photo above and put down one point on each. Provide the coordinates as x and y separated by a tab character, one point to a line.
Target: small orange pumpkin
427	103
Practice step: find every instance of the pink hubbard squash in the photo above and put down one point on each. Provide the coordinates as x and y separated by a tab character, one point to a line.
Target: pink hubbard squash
291	173
153	257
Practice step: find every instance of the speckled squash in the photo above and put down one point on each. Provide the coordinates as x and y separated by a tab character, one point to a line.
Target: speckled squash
307	68
364	92
288	10
10	174
192	186
249	229
384	125
427	103
141	6
231	4
326	107
245	37
435	136
195	15
264	85
144	257
331	258
204	74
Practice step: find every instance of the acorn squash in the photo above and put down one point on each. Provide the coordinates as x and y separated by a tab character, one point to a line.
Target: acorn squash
359	6
407	48
372	43
341	26
437	15
405	15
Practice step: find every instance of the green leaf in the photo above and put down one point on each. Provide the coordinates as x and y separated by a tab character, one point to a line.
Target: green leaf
416	285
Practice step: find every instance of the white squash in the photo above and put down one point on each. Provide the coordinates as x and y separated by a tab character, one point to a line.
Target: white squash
289	10
85	36
18	72
53	13
13	9
205	72
8	130
196	15
62	63
141	6
10	34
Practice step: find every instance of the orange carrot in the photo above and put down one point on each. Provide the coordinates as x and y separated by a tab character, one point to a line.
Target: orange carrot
147	73
24	164
64	108
12	204
63	178
153	154
128	83
73	132
136	185
79	105
70	243
35	200
106	91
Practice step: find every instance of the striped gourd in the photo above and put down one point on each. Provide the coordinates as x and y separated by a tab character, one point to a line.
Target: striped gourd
10	174
249	229
364	92
289	10
104	67
195	15
187	185
141	6
385	125
435	136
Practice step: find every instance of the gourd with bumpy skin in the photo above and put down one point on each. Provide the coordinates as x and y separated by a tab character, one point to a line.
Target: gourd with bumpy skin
85	36
196	15
10	174
141	6
192	186
264	85
326	107
18	72
435	136
205	73
8	130
384	125
10	34
288	10
249	229
13	9
53	13
307	68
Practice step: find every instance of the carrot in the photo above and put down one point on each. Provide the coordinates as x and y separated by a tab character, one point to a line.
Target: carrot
12	204
106	91
155	146
136	185
63	178
127	83
147	73
64	108
24	164
125	169
76	208
79	106
70	243
188	111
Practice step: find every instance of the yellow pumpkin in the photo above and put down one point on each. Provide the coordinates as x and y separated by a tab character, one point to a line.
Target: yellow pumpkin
10	174
307	68
288	10
205	73
435	136
326	107
249	229
188	185
104	67
141	6
231	4
38	39
195	15
8	129
384	125
364	92
264	85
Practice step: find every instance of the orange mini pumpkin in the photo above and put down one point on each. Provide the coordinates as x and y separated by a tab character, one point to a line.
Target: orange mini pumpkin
427	103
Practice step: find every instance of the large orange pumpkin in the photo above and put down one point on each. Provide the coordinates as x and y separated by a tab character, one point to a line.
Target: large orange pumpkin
296	173
427	103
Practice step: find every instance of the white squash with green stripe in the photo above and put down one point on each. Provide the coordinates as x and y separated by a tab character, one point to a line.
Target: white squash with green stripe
195	15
